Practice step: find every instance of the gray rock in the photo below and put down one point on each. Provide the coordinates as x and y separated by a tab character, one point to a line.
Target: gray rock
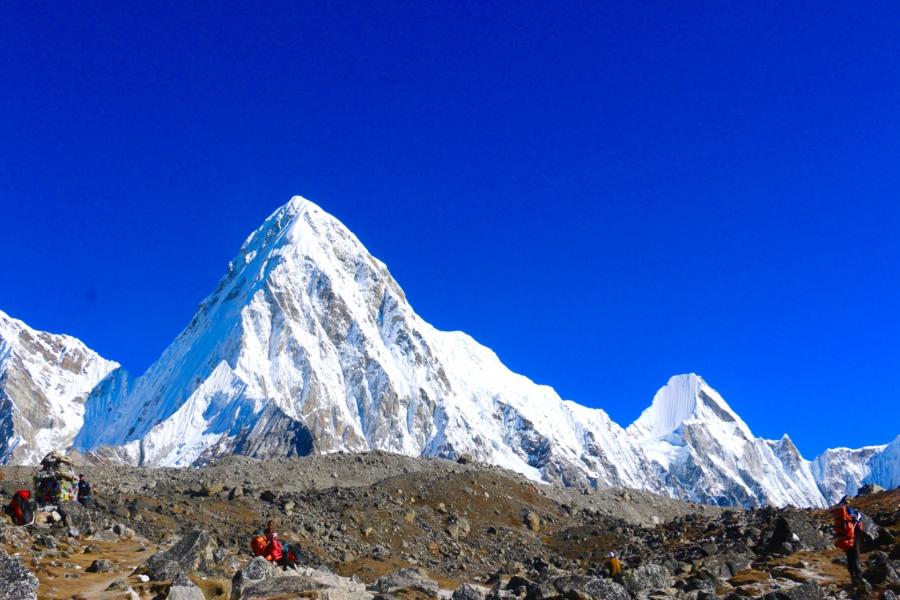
119	585
793	531
806	591
193	553
592	586
647	577
406	579
872	536
260	582
16	582
79	517
122	531
467	592
100	566
185	592
256	570
882	570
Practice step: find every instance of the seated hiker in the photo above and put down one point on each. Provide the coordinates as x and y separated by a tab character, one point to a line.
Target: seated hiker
21	508
613	567
266	544
84	490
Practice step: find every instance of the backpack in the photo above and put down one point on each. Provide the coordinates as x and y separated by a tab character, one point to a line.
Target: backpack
258	544
290	554
844	527
22	508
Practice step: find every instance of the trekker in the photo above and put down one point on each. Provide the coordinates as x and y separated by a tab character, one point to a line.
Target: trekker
84	490
21	508
272	551
614	567
847	526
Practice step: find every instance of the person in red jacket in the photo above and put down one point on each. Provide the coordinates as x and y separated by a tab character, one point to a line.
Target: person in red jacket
273	546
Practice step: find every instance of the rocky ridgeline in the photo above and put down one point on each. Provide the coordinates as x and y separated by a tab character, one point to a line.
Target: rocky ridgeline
395	528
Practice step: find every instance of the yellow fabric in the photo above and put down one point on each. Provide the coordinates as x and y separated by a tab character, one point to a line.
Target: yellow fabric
615	567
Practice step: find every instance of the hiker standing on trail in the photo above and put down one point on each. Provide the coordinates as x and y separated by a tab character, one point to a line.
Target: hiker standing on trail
847	526
84	490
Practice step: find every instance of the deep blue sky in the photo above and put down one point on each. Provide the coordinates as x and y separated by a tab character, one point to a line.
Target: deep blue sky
604	193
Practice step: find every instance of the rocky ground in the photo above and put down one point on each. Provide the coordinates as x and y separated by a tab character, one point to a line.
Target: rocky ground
407	529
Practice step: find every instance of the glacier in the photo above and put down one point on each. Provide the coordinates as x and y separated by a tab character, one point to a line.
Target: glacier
308	344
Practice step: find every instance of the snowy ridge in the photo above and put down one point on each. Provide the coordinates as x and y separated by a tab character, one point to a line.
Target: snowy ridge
308	344
703	451
44	380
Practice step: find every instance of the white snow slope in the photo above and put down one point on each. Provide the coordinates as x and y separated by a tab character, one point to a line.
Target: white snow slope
309	345
44	380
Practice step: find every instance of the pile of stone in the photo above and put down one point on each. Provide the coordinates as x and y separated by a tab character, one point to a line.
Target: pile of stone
56	481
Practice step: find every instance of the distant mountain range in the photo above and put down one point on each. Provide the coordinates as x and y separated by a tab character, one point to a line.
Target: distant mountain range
308	345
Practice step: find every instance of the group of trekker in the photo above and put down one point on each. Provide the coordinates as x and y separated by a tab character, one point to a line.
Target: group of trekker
23	505
265	543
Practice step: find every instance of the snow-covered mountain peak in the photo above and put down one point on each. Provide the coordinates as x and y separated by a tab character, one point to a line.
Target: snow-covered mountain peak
308	344
44	380
684	398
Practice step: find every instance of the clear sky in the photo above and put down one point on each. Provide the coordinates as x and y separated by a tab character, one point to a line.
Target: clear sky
605	193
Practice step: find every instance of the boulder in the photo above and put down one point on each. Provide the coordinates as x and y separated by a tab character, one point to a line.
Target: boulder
882	570
592	586
211	488
869	488
793	531
261	580
722	567
100	566
872	536
647	577
256	570
467	592
121	530
77	516
407	579
806	591
193	553
185	592
16	582
119	585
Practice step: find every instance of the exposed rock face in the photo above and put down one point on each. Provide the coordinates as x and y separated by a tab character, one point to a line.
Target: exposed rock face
593	587
193	553
44	381
16	582
260	580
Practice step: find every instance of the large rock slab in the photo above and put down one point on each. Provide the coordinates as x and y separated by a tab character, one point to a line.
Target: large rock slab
16	582
406	579
193	553
592	586
647	577
807	591
260	580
